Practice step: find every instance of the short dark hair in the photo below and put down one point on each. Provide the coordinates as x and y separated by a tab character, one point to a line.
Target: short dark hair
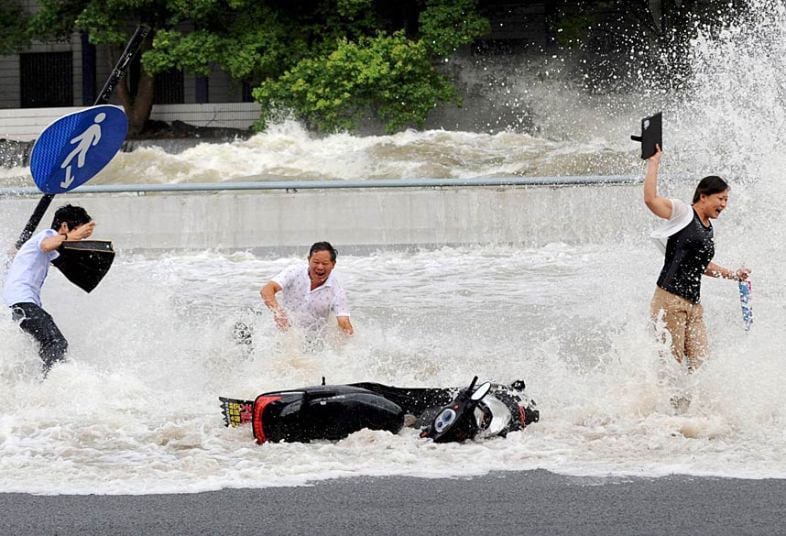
72	216
323	246
708	186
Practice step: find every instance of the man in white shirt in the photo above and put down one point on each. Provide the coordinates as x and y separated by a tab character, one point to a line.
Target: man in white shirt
26	276
310	292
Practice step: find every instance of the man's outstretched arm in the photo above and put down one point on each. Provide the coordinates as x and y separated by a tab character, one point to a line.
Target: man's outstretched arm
345	325
268	294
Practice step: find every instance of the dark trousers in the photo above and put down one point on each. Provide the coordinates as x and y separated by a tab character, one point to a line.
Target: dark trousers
38	323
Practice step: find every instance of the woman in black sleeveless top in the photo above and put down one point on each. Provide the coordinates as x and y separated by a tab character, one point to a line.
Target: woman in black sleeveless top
676	306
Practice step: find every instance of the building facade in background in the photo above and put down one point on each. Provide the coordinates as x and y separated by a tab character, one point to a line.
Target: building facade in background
72	72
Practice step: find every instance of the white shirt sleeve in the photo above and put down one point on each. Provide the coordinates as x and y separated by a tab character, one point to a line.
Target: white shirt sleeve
48	233
681	216
286	276
339	306
680	212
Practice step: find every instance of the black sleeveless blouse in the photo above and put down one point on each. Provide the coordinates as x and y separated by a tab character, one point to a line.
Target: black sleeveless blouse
688	252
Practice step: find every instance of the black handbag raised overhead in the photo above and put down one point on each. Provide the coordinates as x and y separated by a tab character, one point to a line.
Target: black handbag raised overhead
651	135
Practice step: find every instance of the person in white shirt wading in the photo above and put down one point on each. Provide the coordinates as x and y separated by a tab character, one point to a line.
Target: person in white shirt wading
310	292
26	276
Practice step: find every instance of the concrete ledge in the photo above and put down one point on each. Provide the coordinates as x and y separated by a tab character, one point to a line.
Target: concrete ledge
351	219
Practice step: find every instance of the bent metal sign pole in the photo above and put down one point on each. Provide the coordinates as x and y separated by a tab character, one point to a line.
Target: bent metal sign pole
74	148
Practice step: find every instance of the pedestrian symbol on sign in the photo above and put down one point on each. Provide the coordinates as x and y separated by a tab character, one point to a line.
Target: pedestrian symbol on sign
86	139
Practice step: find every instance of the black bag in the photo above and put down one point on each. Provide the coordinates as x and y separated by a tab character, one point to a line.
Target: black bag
651	135
85	262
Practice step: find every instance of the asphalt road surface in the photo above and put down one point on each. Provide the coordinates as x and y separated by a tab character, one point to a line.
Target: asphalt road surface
515	503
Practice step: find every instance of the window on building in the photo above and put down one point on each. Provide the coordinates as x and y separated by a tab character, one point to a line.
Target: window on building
169	87
246	95
46	79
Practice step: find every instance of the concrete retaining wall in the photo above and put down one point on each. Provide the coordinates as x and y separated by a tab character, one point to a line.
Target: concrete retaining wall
354	219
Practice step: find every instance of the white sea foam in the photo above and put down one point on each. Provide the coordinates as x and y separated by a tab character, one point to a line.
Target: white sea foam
135	410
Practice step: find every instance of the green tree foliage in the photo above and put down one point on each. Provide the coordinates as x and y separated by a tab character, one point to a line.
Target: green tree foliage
389	74
250	44
447	25
12	26
327	61
342	77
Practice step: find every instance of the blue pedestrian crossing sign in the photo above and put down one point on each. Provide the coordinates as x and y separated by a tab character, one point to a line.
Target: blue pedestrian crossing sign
74	148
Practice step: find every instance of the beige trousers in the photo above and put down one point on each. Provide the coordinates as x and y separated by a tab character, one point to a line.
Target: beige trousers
683	321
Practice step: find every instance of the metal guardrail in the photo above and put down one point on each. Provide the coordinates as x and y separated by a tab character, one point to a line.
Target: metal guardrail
294	185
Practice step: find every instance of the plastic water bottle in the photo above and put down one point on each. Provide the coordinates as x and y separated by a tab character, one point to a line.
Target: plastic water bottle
745	303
